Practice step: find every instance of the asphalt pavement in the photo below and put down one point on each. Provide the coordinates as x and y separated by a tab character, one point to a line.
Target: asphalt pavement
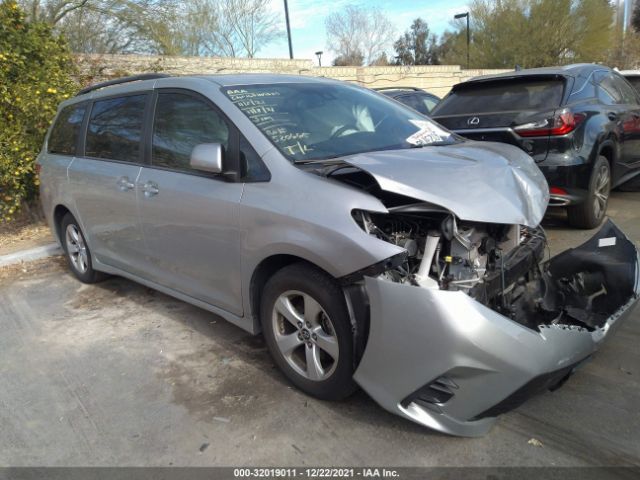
118	374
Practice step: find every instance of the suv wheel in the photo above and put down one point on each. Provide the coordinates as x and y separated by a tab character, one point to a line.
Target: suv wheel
307	329
591	213
77	251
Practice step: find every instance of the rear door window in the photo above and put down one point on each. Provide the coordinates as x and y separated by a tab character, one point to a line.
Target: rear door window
115	129
182	122
503	96
65	132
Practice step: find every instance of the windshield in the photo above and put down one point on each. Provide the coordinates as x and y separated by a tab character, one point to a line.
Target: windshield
315	121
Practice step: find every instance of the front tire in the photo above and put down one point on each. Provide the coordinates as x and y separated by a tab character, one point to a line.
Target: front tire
592	211
307	329
77	251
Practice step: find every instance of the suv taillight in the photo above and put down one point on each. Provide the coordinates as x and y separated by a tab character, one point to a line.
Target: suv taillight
563	122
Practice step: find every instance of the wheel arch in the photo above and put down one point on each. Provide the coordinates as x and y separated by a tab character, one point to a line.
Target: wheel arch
58	214
355	297
264	271
608	150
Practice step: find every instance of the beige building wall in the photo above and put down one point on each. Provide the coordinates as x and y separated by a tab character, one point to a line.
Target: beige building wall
437	79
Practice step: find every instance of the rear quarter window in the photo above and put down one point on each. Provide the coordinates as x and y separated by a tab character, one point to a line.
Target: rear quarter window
503	96
585	91
66	130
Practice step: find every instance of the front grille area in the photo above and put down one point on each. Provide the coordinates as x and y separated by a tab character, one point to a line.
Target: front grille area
438	392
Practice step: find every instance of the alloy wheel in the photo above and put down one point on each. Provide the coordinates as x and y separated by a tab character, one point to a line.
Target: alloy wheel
305	335
76	248
601	191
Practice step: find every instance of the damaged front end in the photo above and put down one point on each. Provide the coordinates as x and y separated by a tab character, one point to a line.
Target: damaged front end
470	320
473	321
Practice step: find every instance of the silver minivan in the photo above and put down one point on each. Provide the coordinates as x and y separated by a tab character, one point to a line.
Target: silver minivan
369	245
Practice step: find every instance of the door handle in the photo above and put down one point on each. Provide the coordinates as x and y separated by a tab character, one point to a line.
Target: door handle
125	184
150	189
613	116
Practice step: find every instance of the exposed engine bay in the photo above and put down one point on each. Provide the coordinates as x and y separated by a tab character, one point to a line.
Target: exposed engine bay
501	266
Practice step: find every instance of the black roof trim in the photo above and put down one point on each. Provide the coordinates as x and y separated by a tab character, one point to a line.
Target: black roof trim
118	81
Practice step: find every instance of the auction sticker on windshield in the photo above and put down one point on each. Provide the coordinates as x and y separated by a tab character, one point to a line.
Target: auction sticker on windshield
428	133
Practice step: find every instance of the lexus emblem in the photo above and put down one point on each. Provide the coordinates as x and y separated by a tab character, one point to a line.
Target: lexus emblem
473	121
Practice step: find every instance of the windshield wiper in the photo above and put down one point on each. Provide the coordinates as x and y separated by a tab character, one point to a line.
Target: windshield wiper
433	144
333	158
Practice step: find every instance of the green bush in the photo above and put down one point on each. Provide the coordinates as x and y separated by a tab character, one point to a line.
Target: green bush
35	76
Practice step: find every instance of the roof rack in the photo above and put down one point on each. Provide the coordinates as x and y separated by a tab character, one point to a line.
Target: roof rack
118	81
415	89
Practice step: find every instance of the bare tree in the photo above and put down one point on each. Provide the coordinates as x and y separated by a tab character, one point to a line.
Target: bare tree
359	32
52	11
110	26
194	27
90	31
250	23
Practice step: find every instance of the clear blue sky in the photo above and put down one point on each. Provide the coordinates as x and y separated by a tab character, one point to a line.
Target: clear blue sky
307	21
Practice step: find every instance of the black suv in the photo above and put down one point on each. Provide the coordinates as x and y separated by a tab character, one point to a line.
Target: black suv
580	123
413	97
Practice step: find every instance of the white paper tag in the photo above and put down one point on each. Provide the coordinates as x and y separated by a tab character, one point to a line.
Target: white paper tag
607	242
428	133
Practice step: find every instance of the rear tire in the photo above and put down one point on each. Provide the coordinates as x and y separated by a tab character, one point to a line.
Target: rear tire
77	251
592	211
307	329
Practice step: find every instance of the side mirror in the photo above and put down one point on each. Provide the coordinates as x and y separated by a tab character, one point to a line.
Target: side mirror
207	157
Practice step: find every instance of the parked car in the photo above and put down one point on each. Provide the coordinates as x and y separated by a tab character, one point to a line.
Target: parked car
580	123
416	98
633	77
369	245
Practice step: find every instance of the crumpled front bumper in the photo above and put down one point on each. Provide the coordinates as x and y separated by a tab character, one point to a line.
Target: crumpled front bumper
469	361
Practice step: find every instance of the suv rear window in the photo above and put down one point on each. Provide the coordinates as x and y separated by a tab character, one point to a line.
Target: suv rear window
503	96
64	134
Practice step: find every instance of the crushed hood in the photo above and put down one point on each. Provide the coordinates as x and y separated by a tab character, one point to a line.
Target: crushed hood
477	181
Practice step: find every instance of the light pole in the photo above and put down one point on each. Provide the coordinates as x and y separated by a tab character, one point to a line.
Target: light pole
463	15
286	17
319	55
